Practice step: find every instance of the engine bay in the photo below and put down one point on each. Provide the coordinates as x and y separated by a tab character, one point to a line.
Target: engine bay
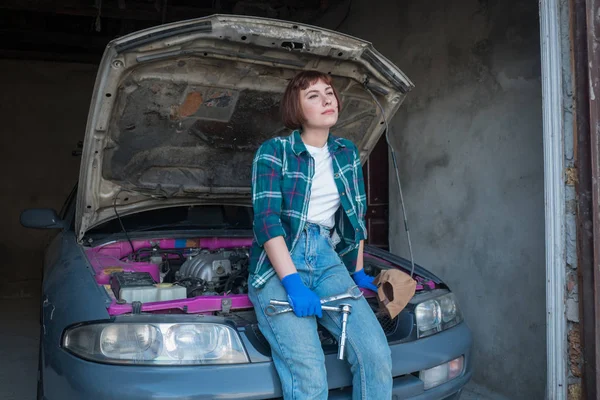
190	275
201	272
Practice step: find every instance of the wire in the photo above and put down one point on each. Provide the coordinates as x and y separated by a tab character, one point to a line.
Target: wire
387	130
345	17
121	222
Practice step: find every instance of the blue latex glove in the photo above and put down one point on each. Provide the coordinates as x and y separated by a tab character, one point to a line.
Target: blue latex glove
304	301
363	280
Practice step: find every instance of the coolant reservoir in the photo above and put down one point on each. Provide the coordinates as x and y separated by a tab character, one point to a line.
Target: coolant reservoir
153	293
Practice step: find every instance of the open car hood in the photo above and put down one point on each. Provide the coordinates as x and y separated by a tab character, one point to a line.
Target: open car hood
179	110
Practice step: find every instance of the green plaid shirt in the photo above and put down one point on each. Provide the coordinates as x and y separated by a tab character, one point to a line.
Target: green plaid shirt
282	173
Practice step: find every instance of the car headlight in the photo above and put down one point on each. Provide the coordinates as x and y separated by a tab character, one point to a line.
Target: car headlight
437	314
156	344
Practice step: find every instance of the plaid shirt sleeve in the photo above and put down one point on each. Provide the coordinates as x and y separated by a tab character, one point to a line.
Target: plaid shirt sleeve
266	192
361	195
350	257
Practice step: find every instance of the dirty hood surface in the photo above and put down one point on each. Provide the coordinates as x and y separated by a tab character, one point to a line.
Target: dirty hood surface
179	110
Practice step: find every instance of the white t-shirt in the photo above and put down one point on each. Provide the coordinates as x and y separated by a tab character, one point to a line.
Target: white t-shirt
324	196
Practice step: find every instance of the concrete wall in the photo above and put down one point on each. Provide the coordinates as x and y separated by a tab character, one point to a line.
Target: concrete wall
43	109
469	142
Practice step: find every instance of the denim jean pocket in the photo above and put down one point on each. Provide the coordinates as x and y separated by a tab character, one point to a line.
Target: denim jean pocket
334	239
330	241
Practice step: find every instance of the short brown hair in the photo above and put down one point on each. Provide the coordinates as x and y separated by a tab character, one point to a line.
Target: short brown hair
291	111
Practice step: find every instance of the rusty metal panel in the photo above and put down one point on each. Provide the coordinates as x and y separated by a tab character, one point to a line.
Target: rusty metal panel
586	62
583	186
592	299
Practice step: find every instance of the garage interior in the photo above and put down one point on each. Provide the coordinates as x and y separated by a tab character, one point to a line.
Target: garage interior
469	142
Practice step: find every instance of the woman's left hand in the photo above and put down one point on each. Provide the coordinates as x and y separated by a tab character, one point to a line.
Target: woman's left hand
364	281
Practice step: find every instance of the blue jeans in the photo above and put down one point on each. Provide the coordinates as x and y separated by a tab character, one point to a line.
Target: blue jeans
295	345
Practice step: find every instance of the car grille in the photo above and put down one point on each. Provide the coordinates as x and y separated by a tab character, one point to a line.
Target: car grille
388	324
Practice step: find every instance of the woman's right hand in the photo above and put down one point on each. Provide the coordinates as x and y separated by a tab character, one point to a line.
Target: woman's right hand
304	301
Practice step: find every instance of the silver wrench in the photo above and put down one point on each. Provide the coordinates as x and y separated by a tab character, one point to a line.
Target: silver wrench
271	309
345	309
353	292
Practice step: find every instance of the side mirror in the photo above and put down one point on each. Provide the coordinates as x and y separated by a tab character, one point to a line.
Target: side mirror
41	218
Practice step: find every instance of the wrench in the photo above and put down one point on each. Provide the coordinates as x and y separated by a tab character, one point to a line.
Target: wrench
271	310
345	309
353	292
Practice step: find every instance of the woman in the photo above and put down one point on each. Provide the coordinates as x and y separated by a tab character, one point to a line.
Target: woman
309	205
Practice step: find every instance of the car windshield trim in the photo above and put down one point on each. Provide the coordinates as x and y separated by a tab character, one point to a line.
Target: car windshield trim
185	224
199	217
94	239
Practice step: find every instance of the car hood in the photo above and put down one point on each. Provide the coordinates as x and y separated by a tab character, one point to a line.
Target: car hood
178	110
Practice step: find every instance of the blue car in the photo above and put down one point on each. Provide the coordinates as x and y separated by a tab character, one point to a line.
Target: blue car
144	291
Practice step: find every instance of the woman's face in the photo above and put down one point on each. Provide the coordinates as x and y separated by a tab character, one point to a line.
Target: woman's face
319	106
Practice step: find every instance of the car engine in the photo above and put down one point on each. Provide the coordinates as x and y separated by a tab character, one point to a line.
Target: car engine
202	272
212	273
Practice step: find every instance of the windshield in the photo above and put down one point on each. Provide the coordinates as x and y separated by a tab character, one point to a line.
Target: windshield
182	218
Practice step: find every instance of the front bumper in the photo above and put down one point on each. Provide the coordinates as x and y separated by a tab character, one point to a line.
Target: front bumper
66	376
